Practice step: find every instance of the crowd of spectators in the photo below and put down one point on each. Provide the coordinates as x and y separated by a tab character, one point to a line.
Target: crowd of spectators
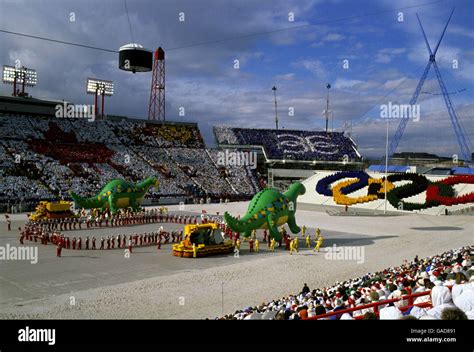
196	164
16	127
292	144
172	179
241	177
45	158
158	135
448	277
21	187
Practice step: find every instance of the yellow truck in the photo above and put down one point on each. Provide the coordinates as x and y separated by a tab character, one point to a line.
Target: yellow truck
207	238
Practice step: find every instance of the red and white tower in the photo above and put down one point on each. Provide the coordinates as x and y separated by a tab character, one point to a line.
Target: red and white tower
156	109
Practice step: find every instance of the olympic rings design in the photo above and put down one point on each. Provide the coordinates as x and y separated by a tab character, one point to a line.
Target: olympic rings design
443	193
437	193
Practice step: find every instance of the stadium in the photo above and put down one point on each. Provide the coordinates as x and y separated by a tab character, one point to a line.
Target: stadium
114	216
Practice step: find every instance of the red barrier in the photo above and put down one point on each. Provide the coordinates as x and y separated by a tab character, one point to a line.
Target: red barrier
410	298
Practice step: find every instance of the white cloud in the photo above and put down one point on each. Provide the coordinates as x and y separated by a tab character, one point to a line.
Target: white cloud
314	66
330	37
385	56
462	31
394	83
285	77
346	83
393	51
333	37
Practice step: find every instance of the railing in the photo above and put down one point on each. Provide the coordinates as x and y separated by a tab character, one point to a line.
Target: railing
410	298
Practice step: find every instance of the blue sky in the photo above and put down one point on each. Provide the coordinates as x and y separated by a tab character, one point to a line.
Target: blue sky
386	59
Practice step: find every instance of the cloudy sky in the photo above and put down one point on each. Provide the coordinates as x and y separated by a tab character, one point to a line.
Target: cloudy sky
381	40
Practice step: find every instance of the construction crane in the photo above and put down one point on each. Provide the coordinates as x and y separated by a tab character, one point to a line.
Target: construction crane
461	138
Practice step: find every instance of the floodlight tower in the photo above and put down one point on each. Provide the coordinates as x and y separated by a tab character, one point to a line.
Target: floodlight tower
326	112
99	87
274	89
19	75
156	107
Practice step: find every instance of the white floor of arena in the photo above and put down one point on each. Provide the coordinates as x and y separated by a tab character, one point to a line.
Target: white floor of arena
153	284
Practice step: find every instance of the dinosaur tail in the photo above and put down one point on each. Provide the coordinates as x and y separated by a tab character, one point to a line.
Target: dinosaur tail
81	202
233	223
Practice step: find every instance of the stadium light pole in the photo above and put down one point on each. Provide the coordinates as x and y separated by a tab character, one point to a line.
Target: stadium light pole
19	75
328	86
276	113
386	169
99	87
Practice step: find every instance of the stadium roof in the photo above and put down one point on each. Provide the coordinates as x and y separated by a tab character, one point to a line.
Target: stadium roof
391	168
463	171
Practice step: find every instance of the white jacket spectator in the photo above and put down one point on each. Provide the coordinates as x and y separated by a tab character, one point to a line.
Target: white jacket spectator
390	313
441	299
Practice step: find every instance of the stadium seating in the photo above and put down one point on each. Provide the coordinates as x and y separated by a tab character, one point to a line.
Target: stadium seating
45	158
292	144
422	289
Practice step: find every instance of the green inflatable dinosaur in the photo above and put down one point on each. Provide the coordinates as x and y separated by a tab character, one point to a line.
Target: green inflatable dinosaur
117	194
269	209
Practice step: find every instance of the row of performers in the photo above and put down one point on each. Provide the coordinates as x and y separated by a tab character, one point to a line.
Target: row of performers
286	238
97	212
114	221
36	234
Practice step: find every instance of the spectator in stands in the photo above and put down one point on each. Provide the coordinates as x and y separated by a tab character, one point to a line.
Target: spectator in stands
440	298
58	156
346	316
369	316
453	313
319	310
391	312
374	296
408	317
292	144
303	312
464	298
433	273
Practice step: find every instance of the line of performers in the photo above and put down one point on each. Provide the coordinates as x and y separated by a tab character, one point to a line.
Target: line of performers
106	219
291	244
48	231
38	234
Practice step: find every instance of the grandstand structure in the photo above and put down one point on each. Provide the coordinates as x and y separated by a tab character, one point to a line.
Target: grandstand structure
427	163
420	289
286	156
44	157
27	106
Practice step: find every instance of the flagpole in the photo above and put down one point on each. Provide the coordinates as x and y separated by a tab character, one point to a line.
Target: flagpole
386	169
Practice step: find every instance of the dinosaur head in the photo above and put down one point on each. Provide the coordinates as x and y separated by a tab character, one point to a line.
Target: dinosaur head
296	189
155	181
151	182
